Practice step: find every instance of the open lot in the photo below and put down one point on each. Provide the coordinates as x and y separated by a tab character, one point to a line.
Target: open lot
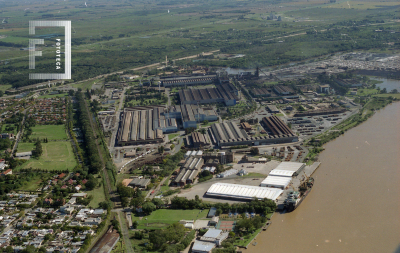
32	185
51	132
163	217
56	155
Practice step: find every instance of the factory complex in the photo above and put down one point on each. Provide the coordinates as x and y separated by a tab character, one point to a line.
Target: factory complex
229	134
224	93
147	124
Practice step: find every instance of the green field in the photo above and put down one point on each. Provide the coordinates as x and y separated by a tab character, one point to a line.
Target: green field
397	95
4	87
32	185
51	132
163	217
97	193
3	130
171	136
54	96
57	155
25	146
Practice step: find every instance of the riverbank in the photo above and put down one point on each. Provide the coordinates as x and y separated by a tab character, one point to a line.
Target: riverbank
355	180
370	107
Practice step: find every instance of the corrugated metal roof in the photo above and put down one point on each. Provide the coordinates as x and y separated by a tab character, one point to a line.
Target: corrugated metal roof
276	181
282	173
243	191
292	166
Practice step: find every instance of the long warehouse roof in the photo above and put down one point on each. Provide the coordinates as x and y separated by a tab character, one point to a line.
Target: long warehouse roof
281	173
276	181
291	166
243	191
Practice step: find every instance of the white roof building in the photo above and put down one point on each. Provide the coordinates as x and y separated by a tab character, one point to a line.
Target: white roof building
290	166
237	191
277	182
281	173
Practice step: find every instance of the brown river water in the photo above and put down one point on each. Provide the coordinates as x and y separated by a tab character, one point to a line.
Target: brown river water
354	204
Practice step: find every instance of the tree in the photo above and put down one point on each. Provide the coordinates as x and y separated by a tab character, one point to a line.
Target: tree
161	149
148	207
158	202
202	131
205	122
254	151
37	152
383	91
394	91
91	184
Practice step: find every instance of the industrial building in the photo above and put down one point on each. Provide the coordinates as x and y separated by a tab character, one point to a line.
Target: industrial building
276	182
283	90
140	183
229	134
191	114
182	81
143	125
197	140
242	192
223	93
260	92
281	176
222	157
276	126
272	109
189	171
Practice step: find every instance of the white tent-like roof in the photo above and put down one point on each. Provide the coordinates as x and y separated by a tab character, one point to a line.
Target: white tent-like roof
291	166
281	173
274	181
238	191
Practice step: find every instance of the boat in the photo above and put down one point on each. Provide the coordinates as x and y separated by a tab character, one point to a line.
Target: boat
295	198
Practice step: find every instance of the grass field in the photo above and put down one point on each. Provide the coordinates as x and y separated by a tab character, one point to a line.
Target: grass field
4	87
57	155
4	127
54	96
171	136
98	194
397	95
25	146
32	185
51	132
163	217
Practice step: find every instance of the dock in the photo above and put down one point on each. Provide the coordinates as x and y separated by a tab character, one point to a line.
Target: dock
296	182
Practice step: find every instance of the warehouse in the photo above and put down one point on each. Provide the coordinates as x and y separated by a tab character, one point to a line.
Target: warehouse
276	126
189	81
276	182
294	167
319	112
242	192
191	114
189	171
140	183
260	92
229	134
272	109
197	140
138	127
283	90
224	93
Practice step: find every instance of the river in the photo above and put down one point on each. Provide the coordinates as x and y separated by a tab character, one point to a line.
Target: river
354	204
389	84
